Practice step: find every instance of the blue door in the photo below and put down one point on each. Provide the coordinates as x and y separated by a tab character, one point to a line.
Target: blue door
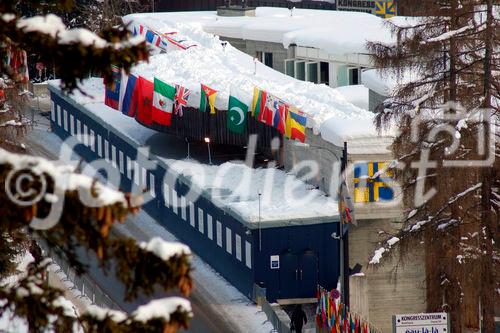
289	276
308	274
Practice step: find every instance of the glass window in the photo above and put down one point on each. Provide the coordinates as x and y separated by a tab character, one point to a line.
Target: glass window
183	208
210	227
152	185
120	162
72	124
78	130
229	238
136	172
59	115
99	145
258	55
65	123
144	179
268	59
113	157
238	246
290	67
106	150
191	214
166	194
52	111
300	70
201	223
219	233
174	201
85	135
92	140
129	167
248	254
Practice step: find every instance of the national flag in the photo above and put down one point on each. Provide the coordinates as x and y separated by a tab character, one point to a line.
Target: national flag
257	102
145	101
207	95
180	99
279	121
372	182
112	94
130	94
153	38
262	106
295	125
270	108
163	102
236	115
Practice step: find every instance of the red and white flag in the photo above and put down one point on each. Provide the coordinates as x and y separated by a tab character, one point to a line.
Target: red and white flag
180	100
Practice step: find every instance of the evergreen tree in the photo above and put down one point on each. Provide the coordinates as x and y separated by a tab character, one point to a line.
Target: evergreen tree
447	65
141	267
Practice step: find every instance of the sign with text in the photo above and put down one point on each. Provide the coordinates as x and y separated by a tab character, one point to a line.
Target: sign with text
421	323
275	262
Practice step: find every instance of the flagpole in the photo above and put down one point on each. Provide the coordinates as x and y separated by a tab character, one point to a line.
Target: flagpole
344	241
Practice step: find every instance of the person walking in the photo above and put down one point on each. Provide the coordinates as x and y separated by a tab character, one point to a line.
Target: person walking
299	319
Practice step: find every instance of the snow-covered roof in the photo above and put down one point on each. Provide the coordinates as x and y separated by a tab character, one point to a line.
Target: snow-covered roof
285	200
336	32
227	69
355	94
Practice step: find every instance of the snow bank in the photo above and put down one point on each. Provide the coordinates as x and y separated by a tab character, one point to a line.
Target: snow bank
356	94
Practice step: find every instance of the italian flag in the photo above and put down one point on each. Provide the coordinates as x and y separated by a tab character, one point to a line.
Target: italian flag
163	101
207	95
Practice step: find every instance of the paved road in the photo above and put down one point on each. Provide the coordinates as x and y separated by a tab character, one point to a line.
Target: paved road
205	320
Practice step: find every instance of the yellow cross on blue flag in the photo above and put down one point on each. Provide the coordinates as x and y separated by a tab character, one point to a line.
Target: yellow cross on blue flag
385	8
368	188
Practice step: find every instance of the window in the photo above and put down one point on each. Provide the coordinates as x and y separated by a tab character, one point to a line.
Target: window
136	172
129	167
191	214
219	233
152	185
290	67
174	201
201	224
120	162
92	140
210	232
183	208
238	246
52	111
78	130
312	72
354	74
166	194
258	55
144	179
324	72
248	254
113	156
65	123
229	248
85	136
300	70
106	150
99	145
72	124
268	59
59	115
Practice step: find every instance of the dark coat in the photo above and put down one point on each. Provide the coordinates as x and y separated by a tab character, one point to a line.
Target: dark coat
299	318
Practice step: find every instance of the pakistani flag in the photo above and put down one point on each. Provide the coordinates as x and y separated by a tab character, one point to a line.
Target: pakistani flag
163	101
236	115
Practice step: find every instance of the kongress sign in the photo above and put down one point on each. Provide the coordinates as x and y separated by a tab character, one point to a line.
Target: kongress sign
421	323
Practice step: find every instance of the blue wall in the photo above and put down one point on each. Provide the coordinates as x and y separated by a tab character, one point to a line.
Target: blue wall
307	252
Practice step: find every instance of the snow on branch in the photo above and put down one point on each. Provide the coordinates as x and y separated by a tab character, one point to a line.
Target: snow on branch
450	34
162	308
163	249
53	26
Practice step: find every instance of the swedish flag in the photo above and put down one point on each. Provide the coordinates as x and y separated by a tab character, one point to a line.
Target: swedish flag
369	189
385	8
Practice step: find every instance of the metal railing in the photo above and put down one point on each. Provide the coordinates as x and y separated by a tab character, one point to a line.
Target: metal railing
259	296
82	283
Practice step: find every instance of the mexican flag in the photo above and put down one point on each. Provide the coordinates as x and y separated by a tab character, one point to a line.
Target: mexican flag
236	114
163	101
207	95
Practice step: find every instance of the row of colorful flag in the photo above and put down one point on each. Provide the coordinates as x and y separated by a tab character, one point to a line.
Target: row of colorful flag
157	101
170	41
333	315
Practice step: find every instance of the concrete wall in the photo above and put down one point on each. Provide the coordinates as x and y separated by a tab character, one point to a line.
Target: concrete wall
391	289
251	47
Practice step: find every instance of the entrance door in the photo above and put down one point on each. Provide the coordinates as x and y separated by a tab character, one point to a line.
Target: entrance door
308	274
289	274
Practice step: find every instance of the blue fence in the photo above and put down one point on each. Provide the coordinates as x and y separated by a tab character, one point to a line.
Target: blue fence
308	255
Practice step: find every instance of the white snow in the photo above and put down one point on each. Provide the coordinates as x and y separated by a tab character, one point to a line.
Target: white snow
68	179
223	68
101	313
377	256
336	32
11	123
392	241
164	250
355	94
161	308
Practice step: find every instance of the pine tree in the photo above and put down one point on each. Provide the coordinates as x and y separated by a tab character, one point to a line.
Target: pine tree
447	66
141	267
